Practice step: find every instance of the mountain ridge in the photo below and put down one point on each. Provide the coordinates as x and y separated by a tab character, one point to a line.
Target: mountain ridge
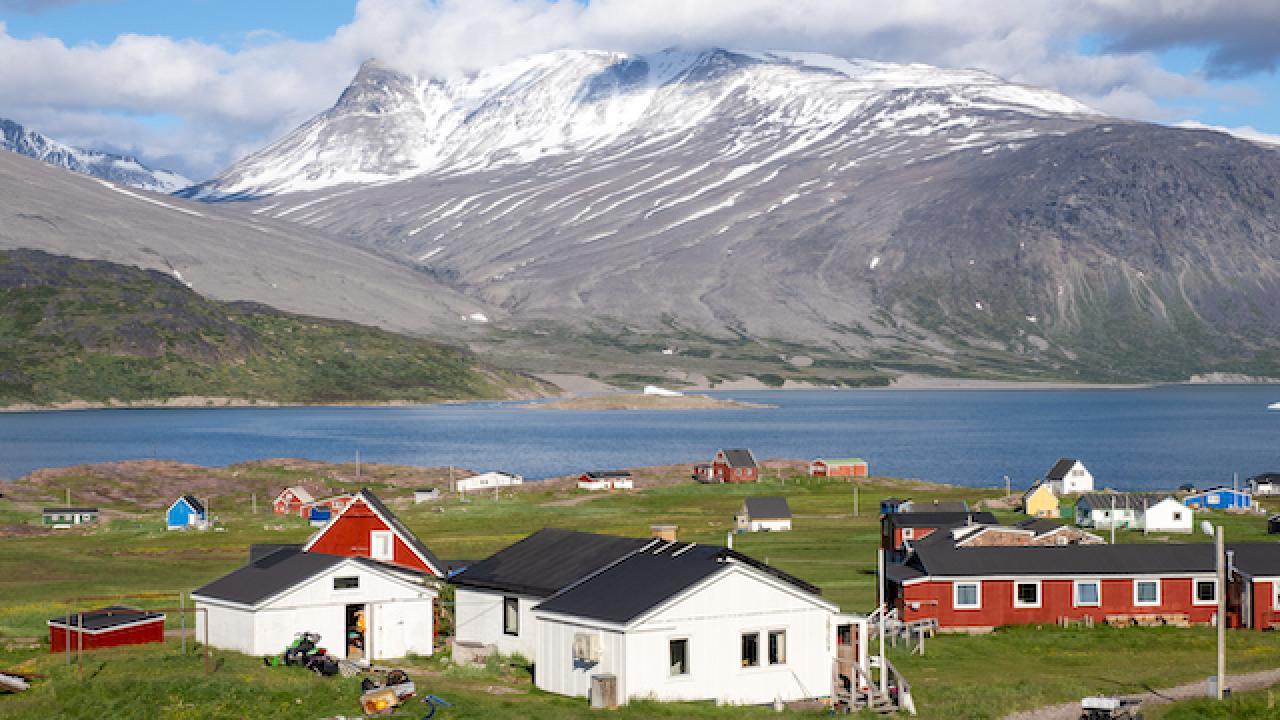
94	163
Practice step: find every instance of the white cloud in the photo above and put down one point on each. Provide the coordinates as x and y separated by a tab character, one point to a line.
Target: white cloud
1244	133
230	101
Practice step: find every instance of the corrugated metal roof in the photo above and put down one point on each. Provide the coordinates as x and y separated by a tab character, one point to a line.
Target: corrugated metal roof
944	559
739	457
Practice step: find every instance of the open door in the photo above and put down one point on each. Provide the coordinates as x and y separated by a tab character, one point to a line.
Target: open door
357	628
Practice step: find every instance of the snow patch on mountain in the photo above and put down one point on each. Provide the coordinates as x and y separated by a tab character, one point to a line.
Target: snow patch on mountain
104	166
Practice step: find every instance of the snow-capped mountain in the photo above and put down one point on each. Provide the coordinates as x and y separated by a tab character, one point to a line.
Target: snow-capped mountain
905	215
104	166
390	126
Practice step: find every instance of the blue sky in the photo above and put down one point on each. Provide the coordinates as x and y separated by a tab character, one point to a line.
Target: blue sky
195	84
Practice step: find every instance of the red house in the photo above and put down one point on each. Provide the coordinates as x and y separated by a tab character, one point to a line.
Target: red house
1255	596
105	627
990	586
730	465
292	501
335	504
367	528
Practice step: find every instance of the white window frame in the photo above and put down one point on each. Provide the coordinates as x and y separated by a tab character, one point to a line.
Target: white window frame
768	649
1075	593
374	546
1275	594
514	601
955	595
1195	594
1139	581
1039	594
908	534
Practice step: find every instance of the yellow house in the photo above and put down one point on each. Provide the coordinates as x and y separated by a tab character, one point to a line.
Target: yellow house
1040	501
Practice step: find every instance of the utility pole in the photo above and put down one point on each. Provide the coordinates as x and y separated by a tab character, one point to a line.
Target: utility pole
855	499
253	502
357	465
1113	519
884	677
1222	608
1008	487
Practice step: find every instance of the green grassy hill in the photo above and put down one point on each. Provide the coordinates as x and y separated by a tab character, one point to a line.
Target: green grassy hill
82	330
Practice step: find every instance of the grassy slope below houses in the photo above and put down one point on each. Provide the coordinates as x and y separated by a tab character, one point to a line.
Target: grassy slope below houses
959	677
77	330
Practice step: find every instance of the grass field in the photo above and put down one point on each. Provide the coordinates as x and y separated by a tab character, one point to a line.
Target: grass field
959	677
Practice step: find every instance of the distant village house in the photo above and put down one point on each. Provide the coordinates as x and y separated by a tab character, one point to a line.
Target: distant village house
606	480
1041	501
106	627
186	513
1219	498
62	518
730	465
1069	476
292	500
839	467
764	514
488	481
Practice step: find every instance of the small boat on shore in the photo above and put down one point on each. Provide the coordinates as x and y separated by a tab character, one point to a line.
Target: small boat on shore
1274	406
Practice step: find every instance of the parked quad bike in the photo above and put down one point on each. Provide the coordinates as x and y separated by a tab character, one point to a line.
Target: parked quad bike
305	651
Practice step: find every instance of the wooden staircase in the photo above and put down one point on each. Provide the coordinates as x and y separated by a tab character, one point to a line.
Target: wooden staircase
856	689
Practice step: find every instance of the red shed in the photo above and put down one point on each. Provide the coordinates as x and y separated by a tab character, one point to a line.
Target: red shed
367	528
106	627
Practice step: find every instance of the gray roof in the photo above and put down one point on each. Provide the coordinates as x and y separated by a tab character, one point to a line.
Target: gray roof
936	506
1256	559
1060	468
739	457
944	559
647	578
49	510
403	530
607	474
195	504
768	508
1040	526
276	572
547	561
1132	501
105	618
940	519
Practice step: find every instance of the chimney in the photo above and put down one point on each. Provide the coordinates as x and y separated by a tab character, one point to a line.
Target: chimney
664	532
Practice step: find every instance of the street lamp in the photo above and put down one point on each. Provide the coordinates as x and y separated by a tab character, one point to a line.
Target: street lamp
1219	555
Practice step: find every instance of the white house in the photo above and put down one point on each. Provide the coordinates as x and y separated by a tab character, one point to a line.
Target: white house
606	480
426	495
361	608
488	481
1069	476
1167	515
680	621
1265	484
494	598
764	514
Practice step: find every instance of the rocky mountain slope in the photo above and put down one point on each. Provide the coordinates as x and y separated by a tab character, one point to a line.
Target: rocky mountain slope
105	166
813	217
86	330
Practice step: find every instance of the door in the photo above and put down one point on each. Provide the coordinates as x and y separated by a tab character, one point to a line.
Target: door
357	632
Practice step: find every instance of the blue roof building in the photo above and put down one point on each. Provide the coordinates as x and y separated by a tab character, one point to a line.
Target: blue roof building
1220	498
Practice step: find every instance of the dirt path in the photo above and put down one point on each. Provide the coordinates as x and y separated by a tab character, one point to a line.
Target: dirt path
572	501
1190	691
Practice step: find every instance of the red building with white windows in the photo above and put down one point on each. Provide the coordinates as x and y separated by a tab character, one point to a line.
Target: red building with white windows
899	529
292	501
367	528
730	465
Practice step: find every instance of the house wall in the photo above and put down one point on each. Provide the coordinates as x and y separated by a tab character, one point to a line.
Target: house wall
557	671
139	634
229	628
770	525
1262	596
1167	516
478	618
934	598
1042	503
350	535
1077	480
1103	518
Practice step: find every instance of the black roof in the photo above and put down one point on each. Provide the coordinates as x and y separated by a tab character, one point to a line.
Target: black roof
547	561
1060	468
1040	526
70	510
607	474
1266	477
771	507
945	559
194	503
257	551
1132	501
105	618
936	506
402	530
278	571
648	578
739	457
1256	559
940	519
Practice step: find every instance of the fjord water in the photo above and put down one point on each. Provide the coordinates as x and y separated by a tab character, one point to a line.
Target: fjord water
1144	438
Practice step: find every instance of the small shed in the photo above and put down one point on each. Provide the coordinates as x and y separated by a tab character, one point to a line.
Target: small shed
1220	498
66	517
764	514
186	512
105	627
425	495
839	467
605	480
292	501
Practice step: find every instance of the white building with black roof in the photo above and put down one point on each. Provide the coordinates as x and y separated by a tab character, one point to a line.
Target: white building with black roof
764	514
680	621
361	608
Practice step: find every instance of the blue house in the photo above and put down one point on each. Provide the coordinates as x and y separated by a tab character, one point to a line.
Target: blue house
186	512
1220	498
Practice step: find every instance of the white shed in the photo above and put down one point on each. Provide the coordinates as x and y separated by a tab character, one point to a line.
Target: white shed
1069	476
680	621
488	481
1167	515
361	608
764	514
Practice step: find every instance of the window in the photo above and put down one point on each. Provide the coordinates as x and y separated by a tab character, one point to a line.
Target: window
908	533
751	650
346	583
679	656
381	545
1146	592
1026	594
1088	593
967	596
1177	517
777	647
511	615
1206	591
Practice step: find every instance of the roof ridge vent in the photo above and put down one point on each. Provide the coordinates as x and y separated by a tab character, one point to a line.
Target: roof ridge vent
659	550
683	550
649	544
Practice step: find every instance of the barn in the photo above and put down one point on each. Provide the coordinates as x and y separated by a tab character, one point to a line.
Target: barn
105	627
683	621
186	512
983	586
367	528
494	598
764	514
292	500
839	467
362	609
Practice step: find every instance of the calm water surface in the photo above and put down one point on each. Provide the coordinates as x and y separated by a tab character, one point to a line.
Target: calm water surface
1140	438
